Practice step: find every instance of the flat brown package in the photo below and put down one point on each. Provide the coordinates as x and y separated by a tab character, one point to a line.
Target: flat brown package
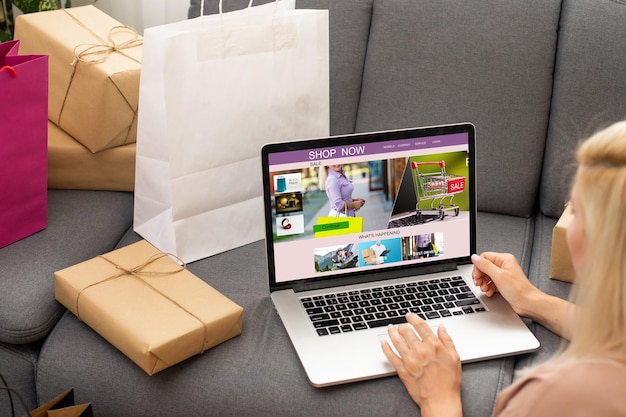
560	259
71	166
95	64
148	306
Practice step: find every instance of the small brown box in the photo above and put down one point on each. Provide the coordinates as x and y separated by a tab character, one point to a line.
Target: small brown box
147	305
94	69
369	257
560	259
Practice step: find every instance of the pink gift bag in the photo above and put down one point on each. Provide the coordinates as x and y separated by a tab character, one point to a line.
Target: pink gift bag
23	143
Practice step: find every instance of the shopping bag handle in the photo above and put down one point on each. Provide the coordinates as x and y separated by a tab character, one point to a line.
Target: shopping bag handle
221	11
10	69
220	6
11	391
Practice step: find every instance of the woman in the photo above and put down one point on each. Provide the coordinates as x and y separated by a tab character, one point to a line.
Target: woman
589	376
339	191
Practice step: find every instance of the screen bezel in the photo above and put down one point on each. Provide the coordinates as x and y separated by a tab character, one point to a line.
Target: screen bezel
391	272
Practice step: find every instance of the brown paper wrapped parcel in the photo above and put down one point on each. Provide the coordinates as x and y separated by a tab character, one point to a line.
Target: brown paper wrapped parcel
71	166
94	69
561	267
147	305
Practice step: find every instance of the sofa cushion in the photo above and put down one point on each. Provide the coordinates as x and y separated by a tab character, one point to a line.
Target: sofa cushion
81	224
488	62
501	233
349	23
589	89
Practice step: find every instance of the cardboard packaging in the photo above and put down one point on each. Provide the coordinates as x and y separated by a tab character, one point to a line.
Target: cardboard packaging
148	306
369	257
71	166
95	63
560	259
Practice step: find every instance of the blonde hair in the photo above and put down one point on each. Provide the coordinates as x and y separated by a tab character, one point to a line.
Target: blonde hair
600	289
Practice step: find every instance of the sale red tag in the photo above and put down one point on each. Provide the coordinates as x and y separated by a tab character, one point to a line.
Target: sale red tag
456	185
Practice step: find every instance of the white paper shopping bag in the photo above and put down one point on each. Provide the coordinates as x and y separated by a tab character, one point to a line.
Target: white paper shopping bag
213	91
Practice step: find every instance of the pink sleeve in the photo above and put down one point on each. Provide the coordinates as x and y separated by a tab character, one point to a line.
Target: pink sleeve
577	390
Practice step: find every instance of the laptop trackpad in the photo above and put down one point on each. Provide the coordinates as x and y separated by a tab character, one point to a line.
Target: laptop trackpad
385	336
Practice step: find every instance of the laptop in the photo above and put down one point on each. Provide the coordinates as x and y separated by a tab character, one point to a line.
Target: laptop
338	281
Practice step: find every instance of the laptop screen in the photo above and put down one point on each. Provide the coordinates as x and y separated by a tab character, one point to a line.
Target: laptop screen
361	204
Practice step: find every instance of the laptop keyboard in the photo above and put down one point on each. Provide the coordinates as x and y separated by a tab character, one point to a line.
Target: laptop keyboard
343	312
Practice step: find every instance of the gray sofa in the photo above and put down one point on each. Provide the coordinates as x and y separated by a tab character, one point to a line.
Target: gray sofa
534	77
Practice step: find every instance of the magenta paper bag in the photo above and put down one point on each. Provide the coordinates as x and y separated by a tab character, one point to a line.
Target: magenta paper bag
23	143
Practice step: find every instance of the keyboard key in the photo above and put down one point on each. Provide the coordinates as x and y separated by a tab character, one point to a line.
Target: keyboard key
465	296
386	322
325	323
360	326
467	302
319	317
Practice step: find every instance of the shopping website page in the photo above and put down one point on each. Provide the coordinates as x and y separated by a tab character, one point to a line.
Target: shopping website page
342	209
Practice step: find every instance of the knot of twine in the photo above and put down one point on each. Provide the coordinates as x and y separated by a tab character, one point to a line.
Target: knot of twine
99	52
138	272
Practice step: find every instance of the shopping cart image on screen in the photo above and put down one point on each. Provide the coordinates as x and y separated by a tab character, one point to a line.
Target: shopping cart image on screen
432	182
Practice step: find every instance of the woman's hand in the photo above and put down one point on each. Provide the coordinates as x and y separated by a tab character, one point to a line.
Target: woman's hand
429	368
499	272
357	203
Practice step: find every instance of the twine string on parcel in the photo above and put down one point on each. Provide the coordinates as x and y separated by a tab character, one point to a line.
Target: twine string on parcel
138	272
98	53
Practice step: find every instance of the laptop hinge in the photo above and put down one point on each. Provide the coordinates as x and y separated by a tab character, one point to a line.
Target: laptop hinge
378	276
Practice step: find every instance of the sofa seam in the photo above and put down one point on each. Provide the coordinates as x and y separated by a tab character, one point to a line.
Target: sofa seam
501	385
27	334
365	55
529	236
533	270
550	109
42	350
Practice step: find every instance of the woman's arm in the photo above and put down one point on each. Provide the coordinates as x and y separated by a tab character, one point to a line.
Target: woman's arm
333	190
